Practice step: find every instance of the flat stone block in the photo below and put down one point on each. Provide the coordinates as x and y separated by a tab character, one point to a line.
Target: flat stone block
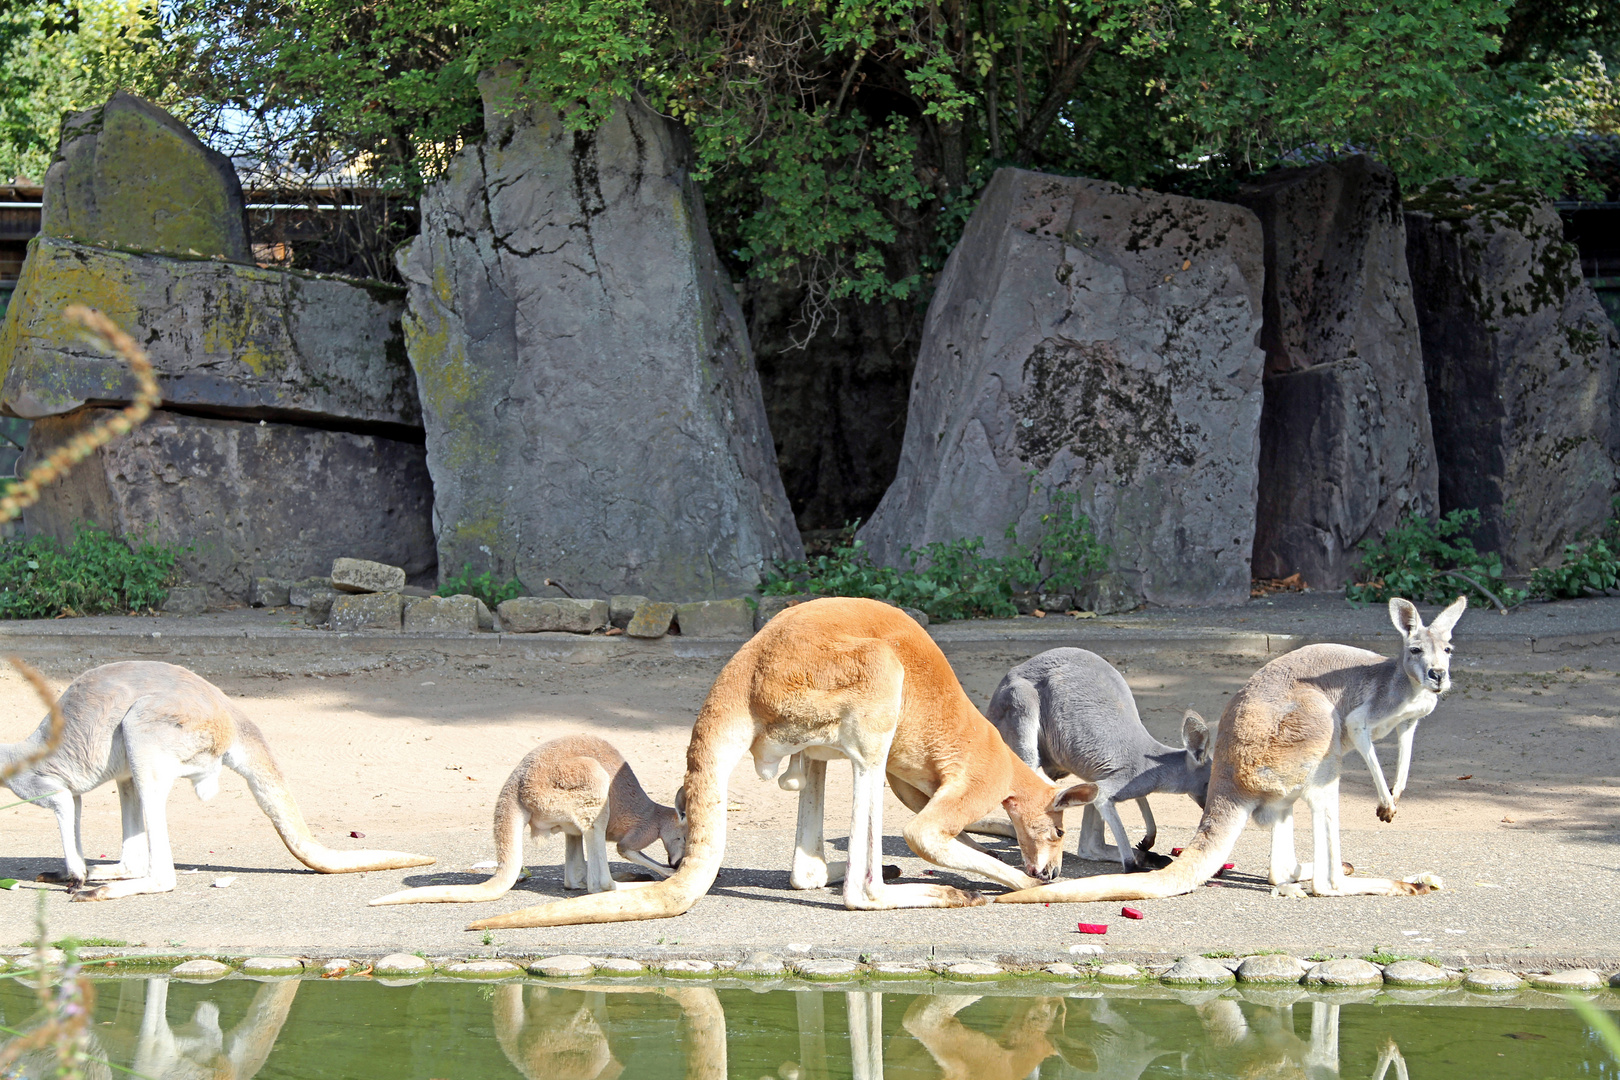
622	608
1196	971
269	592
1491	979
732	618
830	969
760	964
1344	972
367	611
399	965
1416	973
441	614
1119	973
619	965
688	968
1063	971
890	969
535	614
272	965
200	971
186	600
1578	979
1270	969
974	970
651	620
562	967
365	576
482	969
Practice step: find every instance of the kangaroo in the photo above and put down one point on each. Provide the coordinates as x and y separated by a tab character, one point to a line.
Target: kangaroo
579	786
1070	712
145	724
201	1049
1283	738
863	679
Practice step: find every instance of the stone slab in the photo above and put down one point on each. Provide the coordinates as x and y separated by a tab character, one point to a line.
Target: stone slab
366	576
535	614
1344	972
622	608
1196	971
441	615
367	611
270	592
732	618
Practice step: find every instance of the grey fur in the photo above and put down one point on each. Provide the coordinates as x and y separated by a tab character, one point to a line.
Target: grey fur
1069	711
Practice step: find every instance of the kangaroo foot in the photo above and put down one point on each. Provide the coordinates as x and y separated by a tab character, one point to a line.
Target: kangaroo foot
1386	813
891	872
81	896
1150	860
60	877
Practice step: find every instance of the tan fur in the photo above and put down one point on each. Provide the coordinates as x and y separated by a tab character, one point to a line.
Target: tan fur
862	679
581	787
144	725
965	1054
1282	738
201	1049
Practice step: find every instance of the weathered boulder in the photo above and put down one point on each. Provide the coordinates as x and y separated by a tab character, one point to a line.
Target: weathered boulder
591	408
1346	448
441	614
299	593
1105	340
1521	365
269	592
365	575
186	600
128	175
536	614
622	608
232	340
367	611
250	500
651	620
716	618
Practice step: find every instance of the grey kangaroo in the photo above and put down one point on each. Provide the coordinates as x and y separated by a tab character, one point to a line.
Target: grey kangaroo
1069	711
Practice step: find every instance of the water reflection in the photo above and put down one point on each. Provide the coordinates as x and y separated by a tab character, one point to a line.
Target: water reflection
606	1030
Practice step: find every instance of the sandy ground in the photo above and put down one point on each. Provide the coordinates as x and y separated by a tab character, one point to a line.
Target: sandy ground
1519	763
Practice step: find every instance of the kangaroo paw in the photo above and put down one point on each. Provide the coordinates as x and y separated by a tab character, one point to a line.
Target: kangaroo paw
1348	869
972	898
1150	860
891	872
82	896
1386	813
60	877
1290	889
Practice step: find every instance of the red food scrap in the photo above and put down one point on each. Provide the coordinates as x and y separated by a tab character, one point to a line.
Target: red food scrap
1130	913
1093	928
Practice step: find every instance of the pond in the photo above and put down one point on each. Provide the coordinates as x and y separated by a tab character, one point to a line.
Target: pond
358	1030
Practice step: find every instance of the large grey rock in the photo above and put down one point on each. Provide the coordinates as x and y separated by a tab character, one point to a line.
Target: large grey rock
300	592
622	608
270	592
1521	366
249	499
1105	340
235	340
366	575
441	614
1346	448
534	614
367	611
716	618
592	412
1196	971
186	600
128	175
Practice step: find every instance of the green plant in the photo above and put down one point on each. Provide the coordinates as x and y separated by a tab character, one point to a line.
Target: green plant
1384	956
1430	561
97	574
1220	954
484	586
1589	566
489	938
90	943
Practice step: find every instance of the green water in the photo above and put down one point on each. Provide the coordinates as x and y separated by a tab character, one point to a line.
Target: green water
359	1030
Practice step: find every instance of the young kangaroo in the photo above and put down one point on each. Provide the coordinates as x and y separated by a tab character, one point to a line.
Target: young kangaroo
579	786
1069	712
1282	738
145	725
864	680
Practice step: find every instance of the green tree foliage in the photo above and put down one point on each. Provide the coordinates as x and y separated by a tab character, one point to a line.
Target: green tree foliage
1430	561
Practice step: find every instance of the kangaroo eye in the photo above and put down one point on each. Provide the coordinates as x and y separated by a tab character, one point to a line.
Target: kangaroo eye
1060	834
1417	652
1448	650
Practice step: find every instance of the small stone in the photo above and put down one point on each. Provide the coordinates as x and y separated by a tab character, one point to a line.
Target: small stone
336	966
1614	980
29	960
486	618
651	620
1578	979
367	611
365	576
688	968
1491	979
772	606
401	965
1415	973
1230	963
622	608
200	971
318	608
299	592
1085	949
482	969
1119	973
760	963
827	969
186	600
1055	602
441	615
716	619
618	965
1196	971
562	967
890	969
917	614
1063	971
1107	594
537	614
1270	969
975	969
269	592
798	948
225	882
1344	972
272	965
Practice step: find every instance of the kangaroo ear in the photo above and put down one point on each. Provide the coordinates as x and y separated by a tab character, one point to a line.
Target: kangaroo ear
680	802
1078	795
1444	621
1405	616
1195	736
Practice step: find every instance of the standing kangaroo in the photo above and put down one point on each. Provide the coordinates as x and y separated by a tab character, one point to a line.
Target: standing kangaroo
1283	738
862	679
146	724
579	786
1070	712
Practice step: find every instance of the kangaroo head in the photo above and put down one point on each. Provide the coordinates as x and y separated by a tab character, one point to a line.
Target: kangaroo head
1426	650
1037	818
1196	738
672	829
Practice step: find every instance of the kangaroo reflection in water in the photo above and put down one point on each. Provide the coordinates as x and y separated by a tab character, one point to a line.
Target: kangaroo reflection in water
1268	1047
557	1034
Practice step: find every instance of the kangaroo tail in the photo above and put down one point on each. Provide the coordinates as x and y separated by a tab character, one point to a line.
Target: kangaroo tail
251	757
1205	854
722	735
509	822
